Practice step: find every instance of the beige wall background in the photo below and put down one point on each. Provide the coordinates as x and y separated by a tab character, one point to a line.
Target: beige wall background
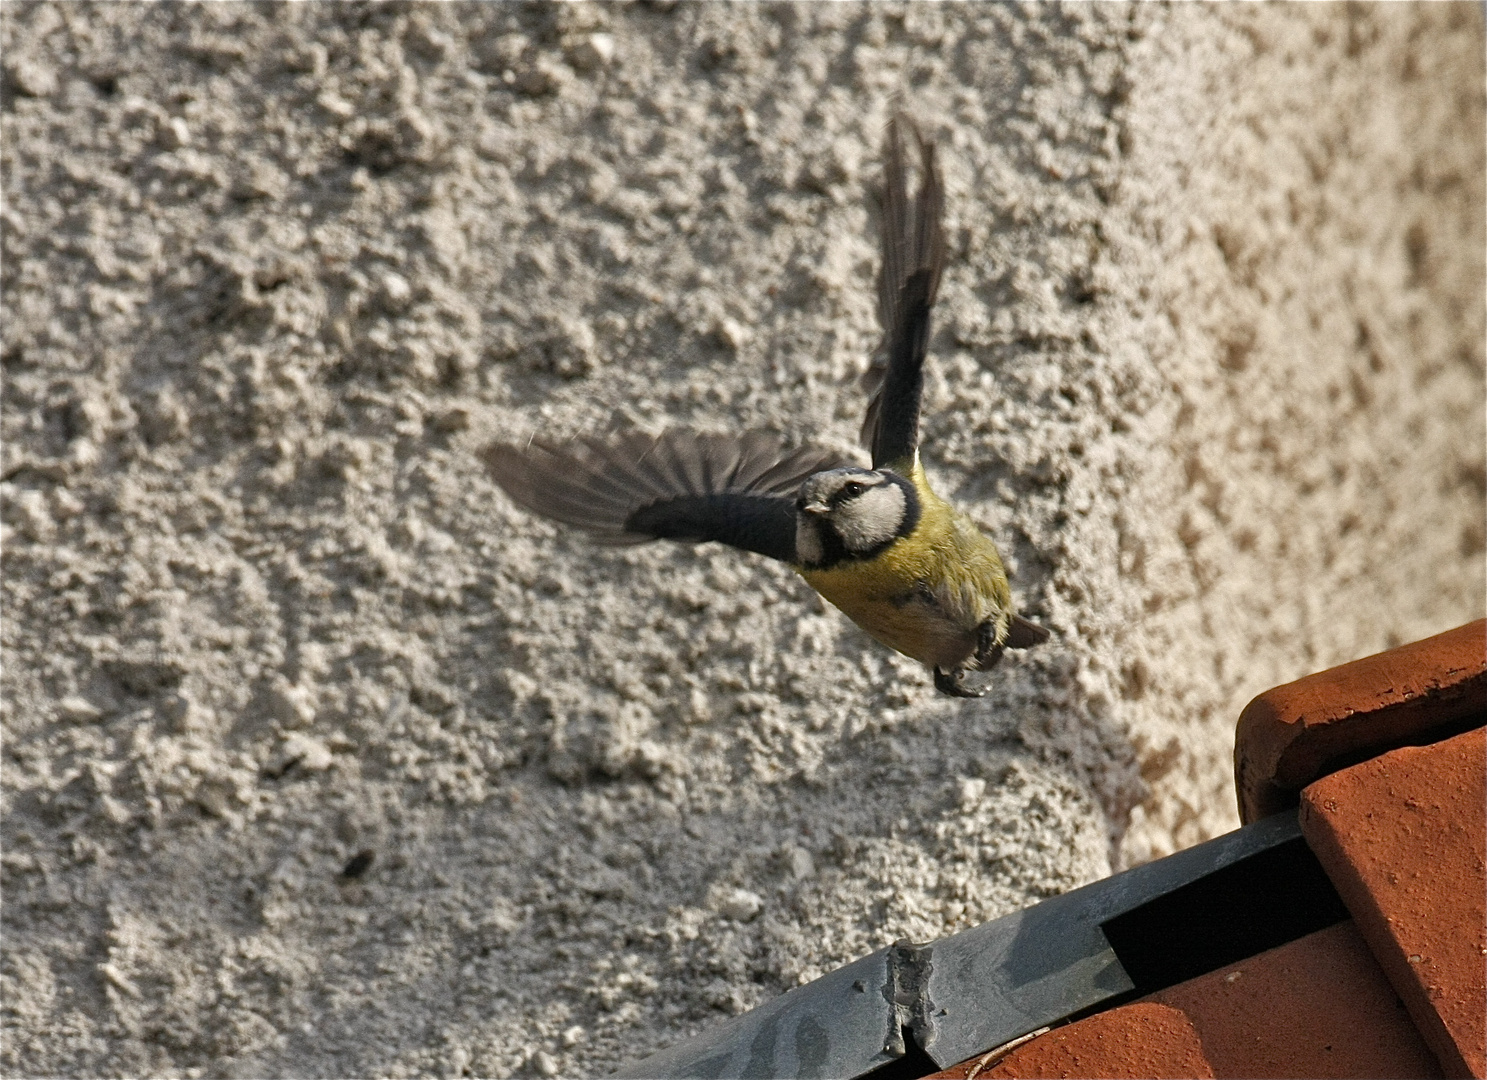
1208	364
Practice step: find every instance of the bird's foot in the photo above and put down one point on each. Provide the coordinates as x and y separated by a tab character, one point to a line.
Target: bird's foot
988	649
953	683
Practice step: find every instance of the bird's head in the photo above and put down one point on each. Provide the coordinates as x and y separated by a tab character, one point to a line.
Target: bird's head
851	514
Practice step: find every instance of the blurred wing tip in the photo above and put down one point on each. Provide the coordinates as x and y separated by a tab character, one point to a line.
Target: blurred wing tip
505	463
1023	634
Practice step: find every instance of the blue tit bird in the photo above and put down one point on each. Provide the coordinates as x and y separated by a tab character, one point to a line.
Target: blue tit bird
878	543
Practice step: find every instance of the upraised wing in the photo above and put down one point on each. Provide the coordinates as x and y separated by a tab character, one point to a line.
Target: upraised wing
680	485
909	279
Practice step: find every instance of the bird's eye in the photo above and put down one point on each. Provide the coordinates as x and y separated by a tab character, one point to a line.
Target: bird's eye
852	489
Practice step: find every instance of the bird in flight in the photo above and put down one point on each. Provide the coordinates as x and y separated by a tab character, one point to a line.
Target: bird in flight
878	543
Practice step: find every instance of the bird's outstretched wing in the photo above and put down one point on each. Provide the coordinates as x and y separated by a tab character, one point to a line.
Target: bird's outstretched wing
913	257
680	485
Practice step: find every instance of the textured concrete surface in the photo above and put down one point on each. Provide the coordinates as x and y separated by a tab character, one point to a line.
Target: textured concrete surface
1291	735
1208	364
1404	838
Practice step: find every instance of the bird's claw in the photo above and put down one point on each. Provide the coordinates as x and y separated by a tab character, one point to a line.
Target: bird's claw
953	683
988	649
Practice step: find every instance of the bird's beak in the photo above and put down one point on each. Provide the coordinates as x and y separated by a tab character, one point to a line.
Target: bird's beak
816	507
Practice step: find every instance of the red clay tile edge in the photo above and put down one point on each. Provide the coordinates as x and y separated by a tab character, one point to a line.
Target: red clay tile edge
1144	1039
1293	734
1404	839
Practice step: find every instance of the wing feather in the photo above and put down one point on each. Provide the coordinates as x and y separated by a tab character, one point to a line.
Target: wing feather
908	282
680	485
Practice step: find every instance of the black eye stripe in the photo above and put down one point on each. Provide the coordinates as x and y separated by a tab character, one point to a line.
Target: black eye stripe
850	490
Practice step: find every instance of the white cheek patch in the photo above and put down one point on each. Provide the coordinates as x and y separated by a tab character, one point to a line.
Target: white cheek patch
808	549
872	519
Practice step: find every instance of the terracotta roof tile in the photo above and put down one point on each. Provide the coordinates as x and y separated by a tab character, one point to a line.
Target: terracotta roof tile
1403	838
1318	1006
1293	734
1140	1040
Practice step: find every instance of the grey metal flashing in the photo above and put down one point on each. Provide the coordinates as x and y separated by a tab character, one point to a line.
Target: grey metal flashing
910	967
958	996
1037	966
837	1025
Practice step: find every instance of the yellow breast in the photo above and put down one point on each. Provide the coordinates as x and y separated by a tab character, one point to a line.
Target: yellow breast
929	592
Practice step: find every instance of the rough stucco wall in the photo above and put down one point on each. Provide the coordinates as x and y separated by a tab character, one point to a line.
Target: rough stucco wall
1208	364
1304	193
